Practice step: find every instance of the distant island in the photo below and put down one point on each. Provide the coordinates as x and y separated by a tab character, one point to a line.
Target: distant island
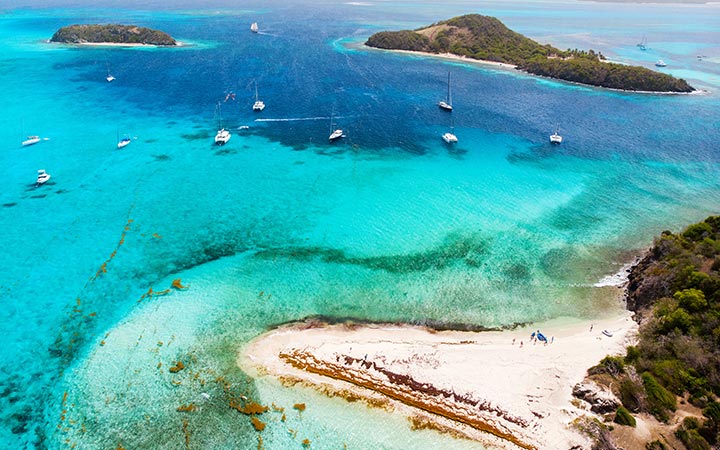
486	38
112	34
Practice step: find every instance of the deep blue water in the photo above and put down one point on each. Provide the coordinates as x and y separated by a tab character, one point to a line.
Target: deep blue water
388	224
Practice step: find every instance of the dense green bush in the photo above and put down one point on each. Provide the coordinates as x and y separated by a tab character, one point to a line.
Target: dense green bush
631	395
623	417
660	401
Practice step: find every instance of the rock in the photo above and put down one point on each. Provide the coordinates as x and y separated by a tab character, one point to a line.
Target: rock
601	401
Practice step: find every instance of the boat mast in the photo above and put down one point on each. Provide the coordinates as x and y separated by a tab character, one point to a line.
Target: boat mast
449	94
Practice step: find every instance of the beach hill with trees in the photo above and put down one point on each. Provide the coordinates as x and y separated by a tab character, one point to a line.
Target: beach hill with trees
486	38
675	294
111	34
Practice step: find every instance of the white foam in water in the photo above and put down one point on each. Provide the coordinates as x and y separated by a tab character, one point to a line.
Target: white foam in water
617	279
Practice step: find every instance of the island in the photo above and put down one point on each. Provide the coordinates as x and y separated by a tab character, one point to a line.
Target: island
486	38
112	34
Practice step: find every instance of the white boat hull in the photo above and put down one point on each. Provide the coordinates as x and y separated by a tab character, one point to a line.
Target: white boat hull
335	135
222	137
449	138
445	106
258	106
555	139
42	177
31	141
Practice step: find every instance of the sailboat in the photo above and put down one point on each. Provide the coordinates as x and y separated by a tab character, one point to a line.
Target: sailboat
254	27
223	136
109	77
259	105
642	45
335	134
447	103
555	138
31	140
42	177
124	141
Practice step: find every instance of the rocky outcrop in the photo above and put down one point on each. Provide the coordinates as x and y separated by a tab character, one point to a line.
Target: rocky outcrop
601	401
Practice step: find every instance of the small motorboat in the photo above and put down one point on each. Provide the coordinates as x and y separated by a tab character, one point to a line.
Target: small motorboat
222	137
607	333
336	134
449	138
254	27
660	63
42	177
110	78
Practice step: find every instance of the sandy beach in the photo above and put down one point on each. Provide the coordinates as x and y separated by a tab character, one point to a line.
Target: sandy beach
450	56
500	387
118	44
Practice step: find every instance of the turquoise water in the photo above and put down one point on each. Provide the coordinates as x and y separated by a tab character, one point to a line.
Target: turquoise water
387	224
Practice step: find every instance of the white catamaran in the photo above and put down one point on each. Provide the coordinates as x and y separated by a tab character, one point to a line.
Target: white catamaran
259	105
223	136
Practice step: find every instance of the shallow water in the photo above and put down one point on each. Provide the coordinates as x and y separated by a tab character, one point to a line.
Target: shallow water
387	224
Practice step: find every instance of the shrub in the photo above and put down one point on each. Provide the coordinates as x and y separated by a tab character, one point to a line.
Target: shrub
692	439
698	231
655	445
632	354
623	417
692	300
678	320
660	401
631	395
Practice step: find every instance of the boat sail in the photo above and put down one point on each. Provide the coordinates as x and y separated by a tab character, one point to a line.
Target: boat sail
254	27
447	103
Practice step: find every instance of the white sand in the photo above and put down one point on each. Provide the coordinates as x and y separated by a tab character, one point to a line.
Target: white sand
451	56
531	385
118	44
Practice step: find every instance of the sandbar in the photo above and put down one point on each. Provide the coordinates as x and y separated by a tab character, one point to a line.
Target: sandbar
498	387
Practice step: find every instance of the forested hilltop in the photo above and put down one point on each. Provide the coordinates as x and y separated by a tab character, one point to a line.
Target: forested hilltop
486	38
111	34
673	373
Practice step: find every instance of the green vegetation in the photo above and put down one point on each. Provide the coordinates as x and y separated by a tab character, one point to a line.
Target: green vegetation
115	34
482	37
675	293
623	417
660	401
